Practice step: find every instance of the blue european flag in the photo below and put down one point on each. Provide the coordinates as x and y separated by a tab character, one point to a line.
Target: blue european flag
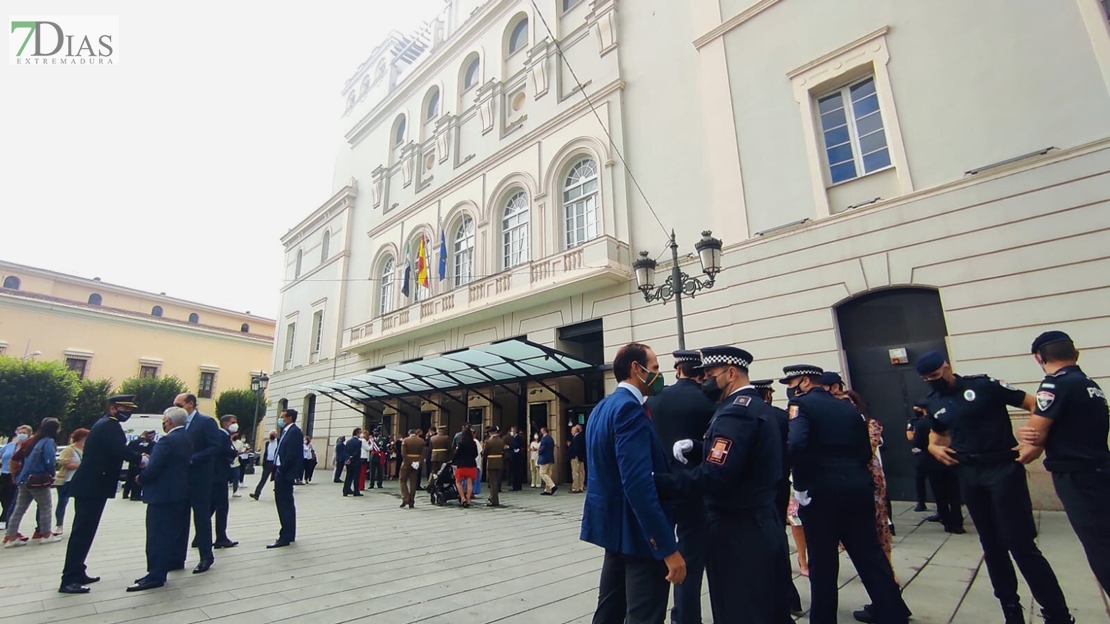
442	255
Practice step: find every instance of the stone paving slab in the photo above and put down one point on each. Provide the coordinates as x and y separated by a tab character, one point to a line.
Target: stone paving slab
366	560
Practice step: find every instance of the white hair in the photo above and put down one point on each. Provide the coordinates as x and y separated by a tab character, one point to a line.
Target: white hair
176	415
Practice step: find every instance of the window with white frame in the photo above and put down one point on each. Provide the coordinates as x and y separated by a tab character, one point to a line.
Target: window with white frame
206	385
290	335
385	294
325	246
78	365
580	210
518	39
297	268
146	370
463	252
317	331
470	74
852	128
431	106
514	231
397	139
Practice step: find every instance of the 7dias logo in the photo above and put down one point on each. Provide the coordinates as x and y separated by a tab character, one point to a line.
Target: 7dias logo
64	40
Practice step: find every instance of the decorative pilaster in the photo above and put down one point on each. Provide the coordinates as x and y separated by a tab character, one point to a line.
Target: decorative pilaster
537	67
377	178
444	125
485	97
602	19
408	155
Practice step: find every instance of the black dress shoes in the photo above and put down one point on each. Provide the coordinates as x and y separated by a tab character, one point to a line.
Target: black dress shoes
73	588
225	544
88	580
203	566
145	585
933	518
278	544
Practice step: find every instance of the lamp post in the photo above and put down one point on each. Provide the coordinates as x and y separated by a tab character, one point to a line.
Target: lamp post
258	386
679	283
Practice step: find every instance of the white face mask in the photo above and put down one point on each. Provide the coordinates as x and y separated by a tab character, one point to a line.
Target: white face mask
233	427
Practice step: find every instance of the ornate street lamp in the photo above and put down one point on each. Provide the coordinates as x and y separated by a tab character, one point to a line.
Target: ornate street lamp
258	386
679	283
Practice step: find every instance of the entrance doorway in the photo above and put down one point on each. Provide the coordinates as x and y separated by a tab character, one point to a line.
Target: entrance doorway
871	326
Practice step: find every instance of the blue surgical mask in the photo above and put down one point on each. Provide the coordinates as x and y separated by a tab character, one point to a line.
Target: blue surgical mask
21	437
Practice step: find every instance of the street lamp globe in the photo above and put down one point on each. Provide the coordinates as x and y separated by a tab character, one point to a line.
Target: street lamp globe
256	384
709	251
264	380
645	272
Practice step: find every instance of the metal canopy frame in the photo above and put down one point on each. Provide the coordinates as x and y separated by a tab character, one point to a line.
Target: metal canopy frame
500	363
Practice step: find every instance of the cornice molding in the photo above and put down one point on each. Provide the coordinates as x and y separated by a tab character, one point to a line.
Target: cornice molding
733	22
319	267
824	58
344	198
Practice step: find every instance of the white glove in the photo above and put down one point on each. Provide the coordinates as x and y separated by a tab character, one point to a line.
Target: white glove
144	460
416	465
681	448
802	497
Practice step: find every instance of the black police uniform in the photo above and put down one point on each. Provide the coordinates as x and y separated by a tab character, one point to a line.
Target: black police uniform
139	446
995	490
1077	456
831	450
682	412
944	479
738	478
920	465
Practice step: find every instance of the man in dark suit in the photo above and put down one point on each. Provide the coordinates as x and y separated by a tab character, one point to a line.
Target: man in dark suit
340	458
165	482
353	449
221	476
622	512
287	467
682	412
518	452
92	486
208	445
268	454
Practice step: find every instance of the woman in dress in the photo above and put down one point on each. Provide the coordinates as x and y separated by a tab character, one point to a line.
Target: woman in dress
882	518
533	457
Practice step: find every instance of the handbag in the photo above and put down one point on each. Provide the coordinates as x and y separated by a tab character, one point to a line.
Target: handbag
43	480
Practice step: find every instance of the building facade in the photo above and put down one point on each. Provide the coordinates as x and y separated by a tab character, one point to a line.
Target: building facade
101	330
884	178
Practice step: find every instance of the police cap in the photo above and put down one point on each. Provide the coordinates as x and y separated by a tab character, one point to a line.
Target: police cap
923	403
685	356
830	378
799	370
763	384
123	400
930	362
1047	338
725	356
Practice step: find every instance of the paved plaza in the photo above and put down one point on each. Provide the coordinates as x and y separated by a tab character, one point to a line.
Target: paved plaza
365	560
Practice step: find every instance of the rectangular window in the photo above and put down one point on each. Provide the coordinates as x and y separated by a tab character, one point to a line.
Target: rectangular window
3	349
207	382
77	365
317	330
852	126
290	334
148	371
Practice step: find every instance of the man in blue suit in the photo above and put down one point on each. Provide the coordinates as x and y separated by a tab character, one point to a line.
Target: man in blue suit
288	466
208	443
165	482
623	513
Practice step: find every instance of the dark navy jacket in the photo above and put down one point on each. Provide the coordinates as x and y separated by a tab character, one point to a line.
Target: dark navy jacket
105	451
166	476
623	512
291	453
208	446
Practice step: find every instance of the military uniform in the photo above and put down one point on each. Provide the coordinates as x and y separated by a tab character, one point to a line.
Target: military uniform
973	412
740	470
412	450
830	451
495	453
440	450
682	412
944	479
1077	456
139	446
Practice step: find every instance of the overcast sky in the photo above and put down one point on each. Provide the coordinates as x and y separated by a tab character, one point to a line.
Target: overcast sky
179	169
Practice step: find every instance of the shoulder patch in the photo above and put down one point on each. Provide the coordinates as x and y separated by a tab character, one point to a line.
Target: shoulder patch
792	412
1048	386
969	395
1045	399
718	452
940	412
1003	383
976	376
743	401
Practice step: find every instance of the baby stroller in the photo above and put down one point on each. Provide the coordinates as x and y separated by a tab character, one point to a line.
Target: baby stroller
442	486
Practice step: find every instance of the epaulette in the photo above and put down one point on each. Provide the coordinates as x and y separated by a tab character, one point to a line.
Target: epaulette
976	376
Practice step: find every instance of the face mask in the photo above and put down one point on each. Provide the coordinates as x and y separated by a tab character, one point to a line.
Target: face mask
123	416
21	437
791	392
655	386
711	389
233	427
939	385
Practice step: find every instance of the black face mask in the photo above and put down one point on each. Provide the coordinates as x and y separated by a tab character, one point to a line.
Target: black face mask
791	392
711	389
939	385
122	416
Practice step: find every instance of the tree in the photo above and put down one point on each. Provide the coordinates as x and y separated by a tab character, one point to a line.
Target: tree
89	405
31	391
241	404
153	394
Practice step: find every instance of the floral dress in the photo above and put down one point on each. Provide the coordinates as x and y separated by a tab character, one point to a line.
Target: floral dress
882	520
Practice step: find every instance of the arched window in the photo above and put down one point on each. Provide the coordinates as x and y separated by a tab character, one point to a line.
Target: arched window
297	269
194	318
325	246
463	251
519	37
156	311
95	299
385	290
399	131
431	104
514	231
580	210
245	328
12	282
470	74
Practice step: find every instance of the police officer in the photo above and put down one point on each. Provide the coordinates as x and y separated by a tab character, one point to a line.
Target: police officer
741	469
1071	423
765	389
919	420
830	451
945	481
834	384
682	412
139	446
971	429
495	461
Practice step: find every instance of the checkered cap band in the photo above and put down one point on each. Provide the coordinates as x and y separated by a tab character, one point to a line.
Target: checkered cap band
726	360
800	372
686	359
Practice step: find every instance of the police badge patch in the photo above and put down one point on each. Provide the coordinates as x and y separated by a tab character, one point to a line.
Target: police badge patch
793	411
969	395
718	453
742	401
1045	399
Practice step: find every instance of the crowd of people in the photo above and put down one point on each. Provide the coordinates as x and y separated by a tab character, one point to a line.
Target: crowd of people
700	477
